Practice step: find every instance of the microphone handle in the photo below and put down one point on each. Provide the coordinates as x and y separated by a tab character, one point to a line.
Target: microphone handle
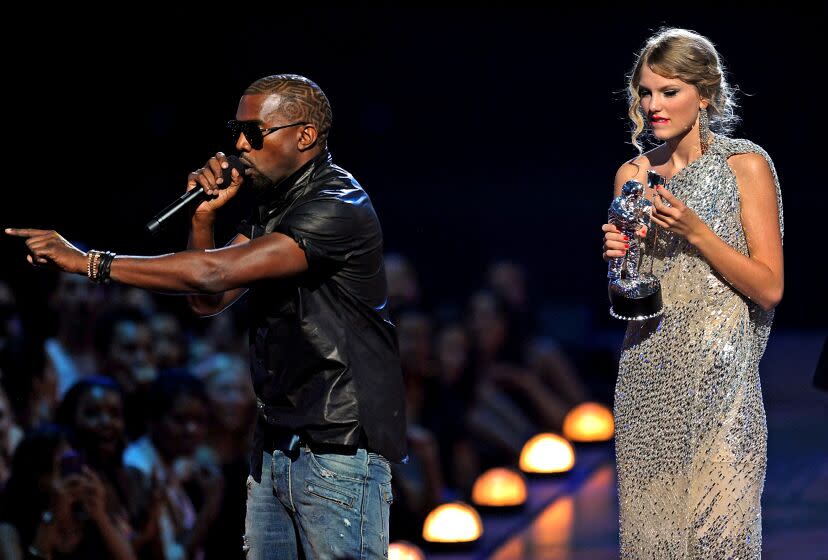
154	225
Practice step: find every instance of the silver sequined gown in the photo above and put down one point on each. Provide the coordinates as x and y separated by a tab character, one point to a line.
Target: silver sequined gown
691	435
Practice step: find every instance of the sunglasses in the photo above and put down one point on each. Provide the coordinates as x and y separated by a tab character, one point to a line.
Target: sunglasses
252	132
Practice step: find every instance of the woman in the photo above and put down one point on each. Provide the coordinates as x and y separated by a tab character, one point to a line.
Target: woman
691	435
93	414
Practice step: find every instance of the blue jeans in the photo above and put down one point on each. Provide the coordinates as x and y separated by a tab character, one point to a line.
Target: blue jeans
323	505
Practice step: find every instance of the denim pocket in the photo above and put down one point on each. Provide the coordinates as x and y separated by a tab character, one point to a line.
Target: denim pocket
332	465
329	492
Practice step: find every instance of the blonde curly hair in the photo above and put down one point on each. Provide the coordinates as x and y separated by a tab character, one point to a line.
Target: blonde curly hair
692	58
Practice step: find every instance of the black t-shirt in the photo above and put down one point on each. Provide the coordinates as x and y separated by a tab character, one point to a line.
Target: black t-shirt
323	351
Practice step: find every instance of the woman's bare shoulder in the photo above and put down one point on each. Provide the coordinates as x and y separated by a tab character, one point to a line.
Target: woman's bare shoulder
635	168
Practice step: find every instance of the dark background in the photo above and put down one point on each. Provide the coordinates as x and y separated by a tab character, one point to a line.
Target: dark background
479	132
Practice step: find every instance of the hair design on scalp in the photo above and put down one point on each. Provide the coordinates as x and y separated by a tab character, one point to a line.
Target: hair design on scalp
303	100
692	58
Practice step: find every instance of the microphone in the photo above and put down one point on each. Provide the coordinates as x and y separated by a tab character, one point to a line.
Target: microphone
192	196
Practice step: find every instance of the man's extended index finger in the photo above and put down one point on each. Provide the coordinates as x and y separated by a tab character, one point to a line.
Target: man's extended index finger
22	232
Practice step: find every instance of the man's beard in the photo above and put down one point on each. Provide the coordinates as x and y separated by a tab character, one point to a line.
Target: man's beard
259	184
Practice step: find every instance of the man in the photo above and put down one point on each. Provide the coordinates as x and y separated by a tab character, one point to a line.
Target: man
323	353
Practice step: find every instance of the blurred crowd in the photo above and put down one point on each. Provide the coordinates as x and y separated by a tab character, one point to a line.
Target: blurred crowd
125	427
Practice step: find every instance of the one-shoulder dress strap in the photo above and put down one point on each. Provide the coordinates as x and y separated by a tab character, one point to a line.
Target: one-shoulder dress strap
727	147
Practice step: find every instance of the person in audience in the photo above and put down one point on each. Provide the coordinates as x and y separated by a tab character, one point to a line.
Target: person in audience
178	408
55	507
123	341
92	412
228	444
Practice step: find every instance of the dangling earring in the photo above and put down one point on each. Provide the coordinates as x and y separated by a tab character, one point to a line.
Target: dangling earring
704	129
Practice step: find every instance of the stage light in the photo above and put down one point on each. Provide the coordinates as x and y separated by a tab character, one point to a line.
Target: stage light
499	487
455	522
589	421
404	550
547	454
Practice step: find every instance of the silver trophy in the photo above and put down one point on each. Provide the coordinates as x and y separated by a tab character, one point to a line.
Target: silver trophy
634	296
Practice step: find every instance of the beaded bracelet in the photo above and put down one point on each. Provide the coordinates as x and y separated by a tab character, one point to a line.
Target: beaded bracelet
98	264
89	265
92	258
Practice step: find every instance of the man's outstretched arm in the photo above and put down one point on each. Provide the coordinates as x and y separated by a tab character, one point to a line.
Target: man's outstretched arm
209	271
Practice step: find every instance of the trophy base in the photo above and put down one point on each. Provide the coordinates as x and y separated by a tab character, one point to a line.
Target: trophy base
635	300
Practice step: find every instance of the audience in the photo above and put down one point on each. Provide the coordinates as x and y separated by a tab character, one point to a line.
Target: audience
156	411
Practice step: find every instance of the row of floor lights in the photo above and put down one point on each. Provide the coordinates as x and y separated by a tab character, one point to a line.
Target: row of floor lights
544	454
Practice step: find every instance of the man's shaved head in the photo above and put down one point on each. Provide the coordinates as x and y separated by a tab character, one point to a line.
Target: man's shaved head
302	100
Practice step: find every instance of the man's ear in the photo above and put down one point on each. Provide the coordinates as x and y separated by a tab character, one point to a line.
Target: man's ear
308	136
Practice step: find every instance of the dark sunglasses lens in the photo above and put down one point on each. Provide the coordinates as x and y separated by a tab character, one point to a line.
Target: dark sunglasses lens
234	130
250	130
254	135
